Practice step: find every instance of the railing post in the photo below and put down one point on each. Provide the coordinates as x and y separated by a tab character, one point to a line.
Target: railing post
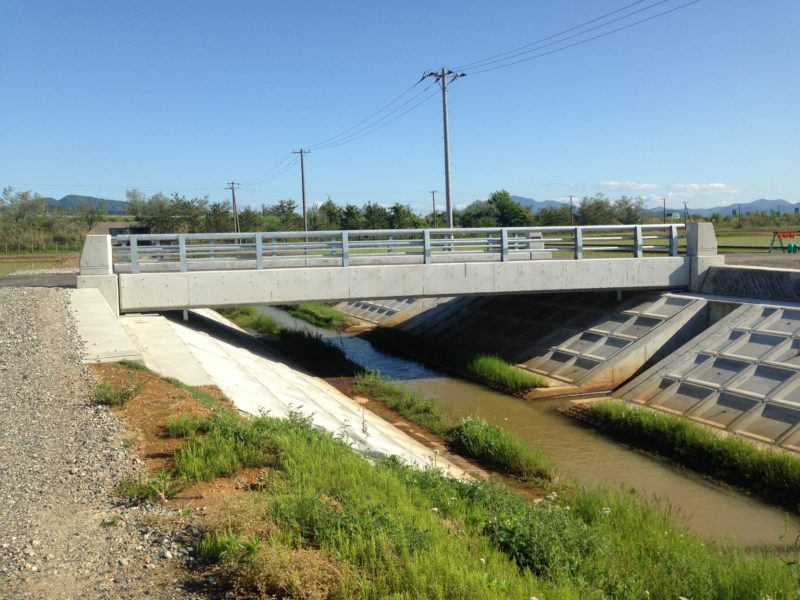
274	245
426	245
389	244
637	241
578	243
673	240
504	244
345	249
182	252
259	251
134	255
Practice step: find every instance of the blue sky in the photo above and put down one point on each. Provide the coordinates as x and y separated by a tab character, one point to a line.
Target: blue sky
699	105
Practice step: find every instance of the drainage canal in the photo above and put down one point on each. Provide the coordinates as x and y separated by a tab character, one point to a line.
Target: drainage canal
706	508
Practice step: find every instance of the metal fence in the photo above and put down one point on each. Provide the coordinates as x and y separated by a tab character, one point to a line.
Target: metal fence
259	250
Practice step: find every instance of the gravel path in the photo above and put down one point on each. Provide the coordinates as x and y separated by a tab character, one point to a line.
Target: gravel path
62	534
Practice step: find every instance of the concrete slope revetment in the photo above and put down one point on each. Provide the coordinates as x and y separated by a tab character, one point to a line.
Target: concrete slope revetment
588	342
741	375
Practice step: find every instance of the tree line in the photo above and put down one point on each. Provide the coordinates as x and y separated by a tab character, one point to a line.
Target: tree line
26	219
177	214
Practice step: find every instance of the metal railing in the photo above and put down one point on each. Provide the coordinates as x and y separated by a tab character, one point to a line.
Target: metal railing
259	250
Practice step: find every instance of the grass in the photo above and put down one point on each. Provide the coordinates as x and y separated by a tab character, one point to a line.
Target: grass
499	449
204	398
187	425
770	474
328	523
340	527
493	447
492	370
321	315
495	369
248	317
159	486
116	394
412	405
229	446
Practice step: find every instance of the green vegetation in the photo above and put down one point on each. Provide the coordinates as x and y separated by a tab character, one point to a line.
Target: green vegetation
393	531
320	315
159	486
496	370
116	395
188	425
494	447
492	370
499	449
248	317
768	473
413	406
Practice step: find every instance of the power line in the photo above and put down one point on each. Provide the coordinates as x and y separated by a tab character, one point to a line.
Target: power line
539	46
377	112
275	167
587	40
549	37
380	123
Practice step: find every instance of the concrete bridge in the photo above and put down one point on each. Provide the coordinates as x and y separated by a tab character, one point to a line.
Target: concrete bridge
139	273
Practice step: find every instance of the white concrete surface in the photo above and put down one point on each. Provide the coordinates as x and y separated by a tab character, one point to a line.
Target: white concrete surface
104	340
255	384
166	291
162	350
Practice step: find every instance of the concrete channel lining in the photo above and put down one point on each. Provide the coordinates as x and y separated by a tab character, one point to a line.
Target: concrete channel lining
741	375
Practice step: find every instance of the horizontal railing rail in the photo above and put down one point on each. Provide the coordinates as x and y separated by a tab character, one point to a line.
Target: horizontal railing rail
259	250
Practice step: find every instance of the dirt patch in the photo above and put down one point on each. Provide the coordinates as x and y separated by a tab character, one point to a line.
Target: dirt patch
146	413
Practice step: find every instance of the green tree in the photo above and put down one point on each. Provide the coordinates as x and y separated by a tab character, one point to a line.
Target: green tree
480	213
552	216
629	211
375	216
509	213
402	217
595	211
219	218
352	217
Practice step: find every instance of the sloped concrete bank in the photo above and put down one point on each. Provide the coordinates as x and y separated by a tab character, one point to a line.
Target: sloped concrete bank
254	381
727	362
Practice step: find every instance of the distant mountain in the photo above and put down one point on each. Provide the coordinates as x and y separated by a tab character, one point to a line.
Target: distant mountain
114	207
761	205
536	205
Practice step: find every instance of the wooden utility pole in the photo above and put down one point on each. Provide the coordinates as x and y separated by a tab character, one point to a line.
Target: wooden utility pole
232	185
433	196
441	78
302	153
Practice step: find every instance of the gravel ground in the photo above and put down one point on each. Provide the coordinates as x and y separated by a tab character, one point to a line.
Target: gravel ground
62	532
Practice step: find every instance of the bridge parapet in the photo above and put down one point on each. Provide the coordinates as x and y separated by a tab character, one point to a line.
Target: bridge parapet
172	271
260	250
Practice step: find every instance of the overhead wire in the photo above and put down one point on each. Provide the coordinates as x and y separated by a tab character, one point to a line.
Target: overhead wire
534	46
382	122
271	177
584	41
377	112
269	172
549	37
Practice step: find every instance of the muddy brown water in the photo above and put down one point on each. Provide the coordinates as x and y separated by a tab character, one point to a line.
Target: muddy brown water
704	507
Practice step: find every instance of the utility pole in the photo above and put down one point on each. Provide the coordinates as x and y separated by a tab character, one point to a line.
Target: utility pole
433	196
665	210
302	153
232	185
571	214
441	78
685	213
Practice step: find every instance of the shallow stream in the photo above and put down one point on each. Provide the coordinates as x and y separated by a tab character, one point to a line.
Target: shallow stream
704	507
